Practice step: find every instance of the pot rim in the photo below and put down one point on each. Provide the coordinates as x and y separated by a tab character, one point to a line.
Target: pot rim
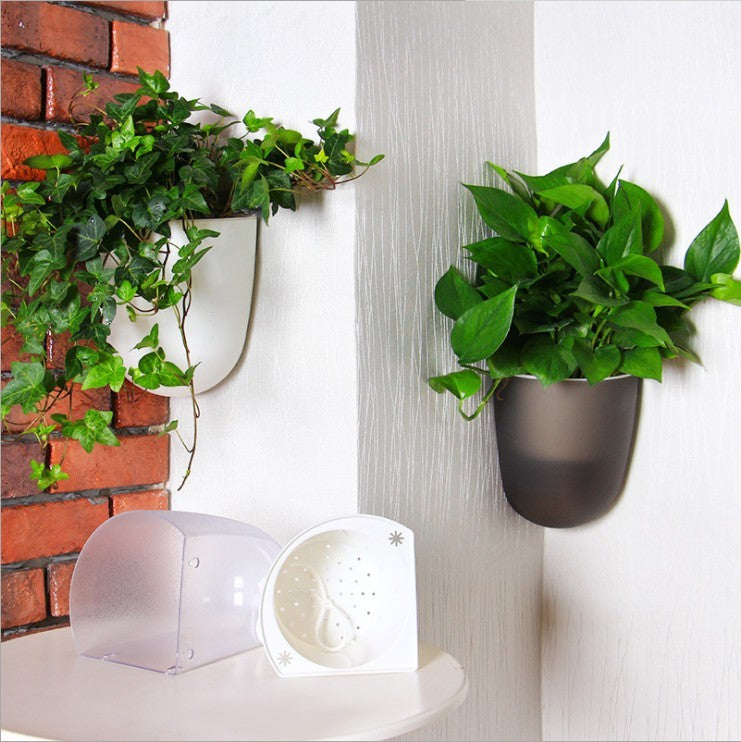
609	378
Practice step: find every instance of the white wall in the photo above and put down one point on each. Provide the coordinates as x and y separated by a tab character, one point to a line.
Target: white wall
442	87
642	632
278	438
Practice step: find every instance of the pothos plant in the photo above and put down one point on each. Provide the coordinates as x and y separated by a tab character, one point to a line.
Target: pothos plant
92	239
571	283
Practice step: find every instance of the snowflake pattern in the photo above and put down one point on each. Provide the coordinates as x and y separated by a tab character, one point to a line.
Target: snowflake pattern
285	658
395	538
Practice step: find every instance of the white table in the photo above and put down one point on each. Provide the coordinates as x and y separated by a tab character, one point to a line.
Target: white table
49	692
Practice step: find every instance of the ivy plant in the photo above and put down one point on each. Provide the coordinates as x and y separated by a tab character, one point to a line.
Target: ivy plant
93	239
570	284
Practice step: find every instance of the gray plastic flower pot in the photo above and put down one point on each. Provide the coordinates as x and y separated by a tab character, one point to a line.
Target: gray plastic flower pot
564	450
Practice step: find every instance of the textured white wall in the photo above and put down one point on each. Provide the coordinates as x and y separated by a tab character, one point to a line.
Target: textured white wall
278	438
642	629
442	87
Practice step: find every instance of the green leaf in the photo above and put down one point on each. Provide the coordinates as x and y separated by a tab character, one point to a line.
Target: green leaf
125	291
49	162
482	329
92	429
108	372
193	200
727	288
584	199
46	476
573	248
512	181
715	249
637	265
505	361
510	261
630	196
26	192
643	362
293	164
462	384
596	364
624	237
89	238
638	315
454	295
548	361
507	215
26	388
151	340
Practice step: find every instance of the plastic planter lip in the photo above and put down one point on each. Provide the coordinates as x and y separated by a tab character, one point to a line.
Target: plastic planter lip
340	598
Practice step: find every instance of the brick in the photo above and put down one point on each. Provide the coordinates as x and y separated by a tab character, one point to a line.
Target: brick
23	599
21	90
134	45
62	84
16	465
150	10
134	408
60	576
58	345
57	31
49	528
147	500
75	406
21	142
12	343
139	460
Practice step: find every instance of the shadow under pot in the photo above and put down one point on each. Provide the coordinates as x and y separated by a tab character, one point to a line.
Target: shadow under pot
564	450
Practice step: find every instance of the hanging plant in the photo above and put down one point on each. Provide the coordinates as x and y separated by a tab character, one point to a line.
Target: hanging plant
571	283
92	239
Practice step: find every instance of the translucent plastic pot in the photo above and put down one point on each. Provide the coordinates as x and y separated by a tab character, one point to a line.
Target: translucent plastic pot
564	450
169	591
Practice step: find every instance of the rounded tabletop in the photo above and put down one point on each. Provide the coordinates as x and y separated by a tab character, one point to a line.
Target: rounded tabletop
50	692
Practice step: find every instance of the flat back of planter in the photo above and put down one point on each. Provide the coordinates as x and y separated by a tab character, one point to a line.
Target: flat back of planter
219	313
169	591
564	450
341	598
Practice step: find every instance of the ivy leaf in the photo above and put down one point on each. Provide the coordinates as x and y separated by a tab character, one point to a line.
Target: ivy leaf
45	476
92	429
479	331
107	372
193	200
49	162
637	265
715	249
151	340
89	237
462	384
454	295
26	388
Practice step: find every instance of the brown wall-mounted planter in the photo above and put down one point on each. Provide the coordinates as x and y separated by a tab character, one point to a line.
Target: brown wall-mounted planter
564	450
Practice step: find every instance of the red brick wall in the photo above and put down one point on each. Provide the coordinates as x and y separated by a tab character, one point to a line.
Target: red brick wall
45	48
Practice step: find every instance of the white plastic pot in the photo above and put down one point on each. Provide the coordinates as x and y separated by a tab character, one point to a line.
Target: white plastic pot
219	314
341	598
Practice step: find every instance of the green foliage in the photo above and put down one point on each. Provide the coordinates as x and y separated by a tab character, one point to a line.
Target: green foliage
569	286
92	239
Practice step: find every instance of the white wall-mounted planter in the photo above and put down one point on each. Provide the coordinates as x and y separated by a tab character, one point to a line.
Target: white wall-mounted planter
169	591
341	599
220	310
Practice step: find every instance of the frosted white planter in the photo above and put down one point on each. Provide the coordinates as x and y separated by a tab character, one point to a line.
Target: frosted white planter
216	324
341	599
